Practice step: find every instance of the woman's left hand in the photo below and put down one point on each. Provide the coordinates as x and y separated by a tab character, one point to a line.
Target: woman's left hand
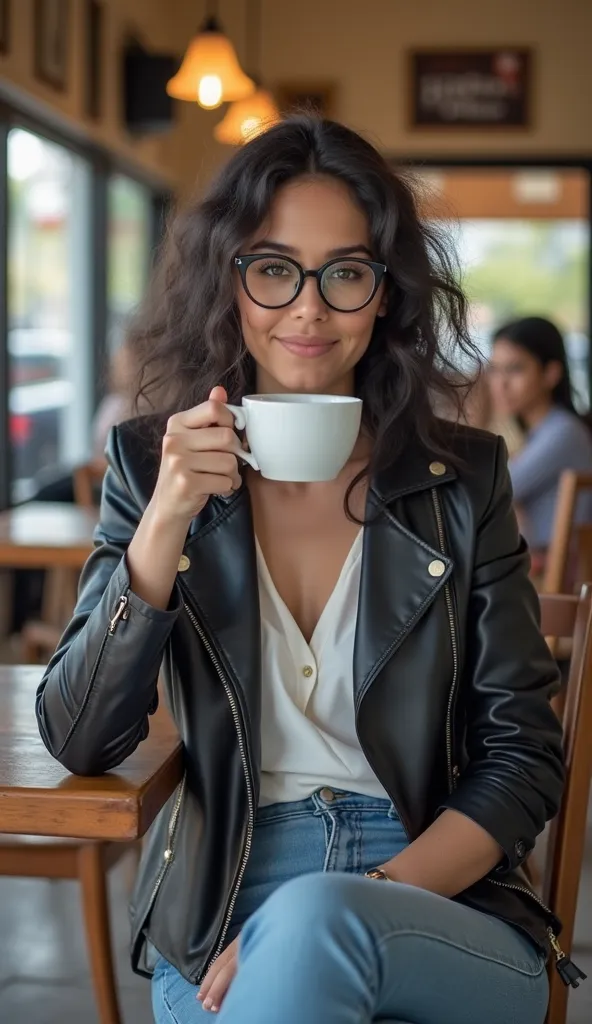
217	981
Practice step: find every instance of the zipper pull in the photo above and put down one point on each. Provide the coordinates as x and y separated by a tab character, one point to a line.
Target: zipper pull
122	612
569	973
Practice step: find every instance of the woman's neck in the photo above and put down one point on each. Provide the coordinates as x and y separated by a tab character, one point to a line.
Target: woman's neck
267	385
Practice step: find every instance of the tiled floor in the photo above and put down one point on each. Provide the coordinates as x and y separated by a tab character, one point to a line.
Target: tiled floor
44	976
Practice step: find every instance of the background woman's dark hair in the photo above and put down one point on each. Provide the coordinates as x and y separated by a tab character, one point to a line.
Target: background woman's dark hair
188	338
543	340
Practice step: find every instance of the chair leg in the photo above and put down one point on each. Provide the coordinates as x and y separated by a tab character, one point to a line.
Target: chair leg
92	875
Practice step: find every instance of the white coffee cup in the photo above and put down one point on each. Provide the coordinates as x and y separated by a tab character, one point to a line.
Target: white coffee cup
298	438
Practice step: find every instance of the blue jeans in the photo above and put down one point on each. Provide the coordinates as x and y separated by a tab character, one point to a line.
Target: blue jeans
323	945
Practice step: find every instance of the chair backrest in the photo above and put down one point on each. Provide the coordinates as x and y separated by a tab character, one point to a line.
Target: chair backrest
566	616
571	485
87	480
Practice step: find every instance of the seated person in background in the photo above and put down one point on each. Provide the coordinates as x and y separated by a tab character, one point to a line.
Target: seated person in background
469	402
118	403
529	380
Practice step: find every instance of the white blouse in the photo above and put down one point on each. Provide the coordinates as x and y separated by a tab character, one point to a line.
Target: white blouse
308	723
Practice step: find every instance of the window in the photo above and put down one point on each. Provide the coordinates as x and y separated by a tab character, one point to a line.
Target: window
523	238
48	308
129	238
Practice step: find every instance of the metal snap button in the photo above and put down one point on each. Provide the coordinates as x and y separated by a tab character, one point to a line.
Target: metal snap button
437	468
327	794
307	671
436	568
184	563
520	849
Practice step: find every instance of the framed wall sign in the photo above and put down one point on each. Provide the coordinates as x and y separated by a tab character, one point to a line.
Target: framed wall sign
52	41
470	88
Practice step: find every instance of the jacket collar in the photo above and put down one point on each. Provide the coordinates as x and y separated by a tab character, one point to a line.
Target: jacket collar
417	469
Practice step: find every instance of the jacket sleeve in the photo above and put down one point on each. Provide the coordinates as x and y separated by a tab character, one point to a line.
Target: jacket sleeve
513	781
101	684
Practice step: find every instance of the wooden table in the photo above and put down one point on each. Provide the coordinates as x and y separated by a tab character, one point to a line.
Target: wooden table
46	535
52	536
39	797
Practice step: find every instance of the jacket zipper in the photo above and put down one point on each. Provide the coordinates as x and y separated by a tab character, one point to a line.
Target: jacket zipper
168	855
568	972
121	612
453	771
249	782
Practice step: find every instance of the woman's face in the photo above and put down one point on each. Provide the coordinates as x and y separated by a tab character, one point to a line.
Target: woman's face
519	383
307	346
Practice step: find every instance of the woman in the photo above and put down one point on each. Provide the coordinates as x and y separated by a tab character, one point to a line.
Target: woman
529	379
426	755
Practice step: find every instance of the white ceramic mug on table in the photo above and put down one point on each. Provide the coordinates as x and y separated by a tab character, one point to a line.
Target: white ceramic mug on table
298	438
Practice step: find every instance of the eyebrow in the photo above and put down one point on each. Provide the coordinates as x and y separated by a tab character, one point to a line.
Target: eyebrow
346	250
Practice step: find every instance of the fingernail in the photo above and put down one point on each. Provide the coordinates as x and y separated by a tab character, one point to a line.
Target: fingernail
207	1004
215	1009
199	996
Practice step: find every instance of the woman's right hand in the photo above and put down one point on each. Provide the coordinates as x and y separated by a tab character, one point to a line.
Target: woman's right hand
199	458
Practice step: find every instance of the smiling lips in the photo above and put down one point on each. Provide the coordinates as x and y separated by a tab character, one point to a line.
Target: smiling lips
307	346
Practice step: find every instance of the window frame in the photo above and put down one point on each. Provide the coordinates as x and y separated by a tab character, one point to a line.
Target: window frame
102	164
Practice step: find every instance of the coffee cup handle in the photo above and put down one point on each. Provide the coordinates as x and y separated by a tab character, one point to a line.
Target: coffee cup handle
240	421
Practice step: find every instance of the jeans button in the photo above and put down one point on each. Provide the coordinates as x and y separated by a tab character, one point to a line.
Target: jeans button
327	794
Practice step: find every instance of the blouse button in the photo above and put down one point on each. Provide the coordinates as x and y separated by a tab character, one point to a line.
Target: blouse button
307	671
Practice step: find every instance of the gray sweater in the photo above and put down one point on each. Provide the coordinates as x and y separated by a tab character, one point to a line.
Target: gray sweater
561	441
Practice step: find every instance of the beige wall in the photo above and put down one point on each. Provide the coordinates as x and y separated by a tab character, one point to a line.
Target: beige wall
361	45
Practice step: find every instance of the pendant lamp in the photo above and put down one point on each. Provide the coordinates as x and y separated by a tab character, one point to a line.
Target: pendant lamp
210	73
247	118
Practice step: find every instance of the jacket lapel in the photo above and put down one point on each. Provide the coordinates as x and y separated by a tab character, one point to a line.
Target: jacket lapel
402	574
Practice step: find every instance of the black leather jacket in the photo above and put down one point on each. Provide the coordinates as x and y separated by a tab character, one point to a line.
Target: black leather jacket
451	676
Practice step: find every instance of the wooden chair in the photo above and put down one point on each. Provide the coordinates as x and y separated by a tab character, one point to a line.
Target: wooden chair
559	561
31	856
567	616
88	862
87	482
39	638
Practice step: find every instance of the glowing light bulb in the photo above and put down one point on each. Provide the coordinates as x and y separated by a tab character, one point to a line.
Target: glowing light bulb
250	126
209	91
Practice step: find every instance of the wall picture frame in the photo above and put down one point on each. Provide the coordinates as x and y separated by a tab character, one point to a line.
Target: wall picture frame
52	42
94	35
4	26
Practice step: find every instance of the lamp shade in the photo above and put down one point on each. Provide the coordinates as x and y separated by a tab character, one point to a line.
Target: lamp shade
246	119
210	73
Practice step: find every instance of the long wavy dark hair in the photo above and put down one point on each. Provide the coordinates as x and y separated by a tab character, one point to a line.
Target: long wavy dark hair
187	336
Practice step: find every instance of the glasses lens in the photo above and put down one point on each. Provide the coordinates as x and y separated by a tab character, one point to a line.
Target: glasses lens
272	281
347	284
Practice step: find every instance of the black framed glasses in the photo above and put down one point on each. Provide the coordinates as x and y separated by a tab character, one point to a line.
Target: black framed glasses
346	284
